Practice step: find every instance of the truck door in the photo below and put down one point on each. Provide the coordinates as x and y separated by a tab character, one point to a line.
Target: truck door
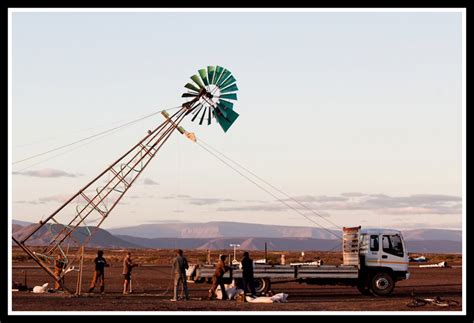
393	252
373	255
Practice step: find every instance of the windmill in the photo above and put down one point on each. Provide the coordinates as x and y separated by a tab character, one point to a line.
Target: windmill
73	225
219	87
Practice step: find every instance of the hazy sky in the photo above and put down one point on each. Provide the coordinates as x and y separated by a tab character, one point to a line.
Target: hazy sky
356	114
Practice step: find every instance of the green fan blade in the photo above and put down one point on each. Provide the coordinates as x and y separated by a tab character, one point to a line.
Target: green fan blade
231	88
196	79
227	104
191	87
226	122
223	78
229	81
230	96
203	74
210	73
188	95
218	73
223	109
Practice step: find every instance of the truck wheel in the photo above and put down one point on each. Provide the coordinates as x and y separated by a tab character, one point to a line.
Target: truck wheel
382	284
262	285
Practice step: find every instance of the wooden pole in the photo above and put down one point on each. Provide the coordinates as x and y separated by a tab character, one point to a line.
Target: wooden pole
265	252
79	274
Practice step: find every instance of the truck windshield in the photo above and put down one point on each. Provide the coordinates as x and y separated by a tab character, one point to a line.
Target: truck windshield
392	244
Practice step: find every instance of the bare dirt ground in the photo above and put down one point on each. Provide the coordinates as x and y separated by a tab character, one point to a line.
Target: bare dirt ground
152	286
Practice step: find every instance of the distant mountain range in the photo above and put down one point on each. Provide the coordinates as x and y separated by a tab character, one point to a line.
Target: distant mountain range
102	238
218	235
222	230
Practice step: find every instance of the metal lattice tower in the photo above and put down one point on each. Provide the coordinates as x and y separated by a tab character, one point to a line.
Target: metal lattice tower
74	223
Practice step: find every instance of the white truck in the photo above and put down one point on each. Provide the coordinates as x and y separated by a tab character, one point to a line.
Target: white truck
373	260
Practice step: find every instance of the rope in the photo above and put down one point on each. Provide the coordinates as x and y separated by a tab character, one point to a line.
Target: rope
65	152
269	184
267	191
90	137
69	132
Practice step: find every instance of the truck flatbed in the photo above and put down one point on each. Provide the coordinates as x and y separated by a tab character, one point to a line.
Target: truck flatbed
286	271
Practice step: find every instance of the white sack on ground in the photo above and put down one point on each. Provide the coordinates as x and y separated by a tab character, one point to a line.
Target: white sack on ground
40	289
277	298
230	289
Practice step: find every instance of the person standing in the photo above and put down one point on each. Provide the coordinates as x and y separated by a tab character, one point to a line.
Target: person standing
247	274
180	264
100	264
59	264
218	279
127	272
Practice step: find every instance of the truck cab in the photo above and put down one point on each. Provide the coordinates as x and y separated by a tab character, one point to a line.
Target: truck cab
383	260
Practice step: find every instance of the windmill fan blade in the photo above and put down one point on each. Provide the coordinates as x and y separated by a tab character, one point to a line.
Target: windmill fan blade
226	122
230	96
192	87
188	95
196	79
227	104
231	88
203	115
196	113
223	78
229	81
223	109
195	108
203	74
209	117
218	73
210	73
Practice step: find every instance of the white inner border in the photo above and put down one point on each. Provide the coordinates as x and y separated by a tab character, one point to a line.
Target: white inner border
10	110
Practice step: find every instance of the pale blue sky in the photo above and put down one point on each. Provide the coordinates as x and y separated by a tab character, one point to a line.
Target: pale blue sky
329	103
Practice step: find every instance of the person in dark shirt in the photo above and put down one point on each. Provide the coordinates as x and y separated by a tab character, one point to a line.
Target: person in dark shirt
127	273
180	264
59	264
218	279
100	264
247	274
